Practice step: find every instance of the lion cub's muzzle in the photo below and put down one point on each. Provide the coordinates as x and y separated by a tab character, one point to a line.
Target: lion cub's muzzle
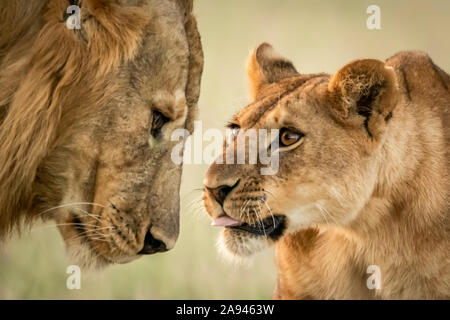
270	227
248	204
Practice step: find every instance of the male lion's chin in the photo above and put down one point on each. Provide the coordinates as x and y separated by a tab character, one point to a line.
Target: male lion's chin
238	246
84	257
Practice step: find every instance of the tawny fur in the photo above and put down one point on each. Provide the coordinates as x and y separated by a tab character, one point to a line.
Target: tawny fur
34	103
367	185
76	110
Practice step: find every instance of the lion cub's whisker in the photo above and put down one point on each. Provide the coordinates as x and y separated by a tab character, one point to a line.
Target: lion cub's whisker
270	210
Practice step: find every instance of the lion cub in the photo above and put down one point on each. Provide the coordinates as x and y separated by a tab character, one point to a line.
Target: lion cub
359	206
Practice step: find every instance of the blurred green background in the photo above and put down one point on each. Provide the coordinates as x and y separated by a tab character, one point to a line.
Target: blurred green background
319	36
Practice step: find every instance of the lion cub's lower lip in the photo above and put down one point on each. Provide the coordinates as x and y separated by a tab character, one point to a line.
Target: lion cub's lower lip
272	227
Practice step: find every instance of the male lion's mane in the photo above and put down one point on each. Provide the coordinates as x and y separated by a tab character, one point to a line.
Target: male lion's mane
46	70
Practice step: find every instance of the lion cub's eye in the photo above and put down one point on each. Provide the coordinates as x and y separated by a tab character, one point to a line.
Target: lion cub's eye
288	137
159	120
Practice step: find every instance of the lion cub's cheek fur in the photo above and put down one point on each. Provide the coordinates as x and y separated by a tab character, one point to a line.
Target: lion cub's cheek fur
319	201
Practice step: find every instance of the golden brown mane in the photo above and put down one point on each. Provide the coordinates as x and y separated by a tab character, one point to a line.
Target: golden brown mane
45	69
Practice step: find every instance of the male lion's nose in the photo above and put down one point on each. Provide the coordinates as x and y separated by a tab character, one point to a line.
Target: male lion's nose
152	245
220	193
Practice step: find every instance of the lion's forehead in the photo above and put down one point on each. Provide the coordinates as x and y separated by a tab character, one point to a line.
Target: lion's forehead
283	98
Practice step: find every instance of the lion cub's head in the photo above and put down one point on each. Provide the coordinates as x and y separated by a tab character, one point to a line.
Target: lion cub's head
329	131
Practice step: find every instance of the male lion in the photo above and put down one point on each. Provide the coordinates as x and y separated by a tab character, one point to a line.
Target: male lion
363	179
85	121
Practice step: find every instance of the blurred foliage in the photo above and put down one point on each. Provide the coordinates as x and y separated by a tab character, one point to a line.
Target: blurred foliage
319	36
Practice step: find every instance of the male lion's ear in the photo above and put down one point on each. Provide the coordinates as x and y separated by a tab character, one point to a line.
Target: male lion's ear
266	66
366	88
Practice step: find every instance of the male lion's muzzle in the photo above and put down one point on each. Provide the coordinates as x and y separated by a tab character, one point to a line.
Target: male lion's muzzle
152	245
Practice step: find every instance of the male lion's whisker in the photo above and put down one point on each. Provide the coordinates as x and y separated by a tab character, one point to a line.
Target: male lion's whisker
94	232
66	224
96	217
70	205
80	236
194	211
195	206
88	232
191	192
91	238
194	202
104	240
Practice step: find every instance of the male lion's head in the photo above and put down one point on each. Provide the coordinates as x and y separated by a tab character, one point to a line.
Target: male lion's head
87	117
330	129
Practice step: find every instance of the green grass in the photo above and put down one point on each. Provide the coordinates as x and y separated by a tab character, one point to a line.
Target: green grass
319	36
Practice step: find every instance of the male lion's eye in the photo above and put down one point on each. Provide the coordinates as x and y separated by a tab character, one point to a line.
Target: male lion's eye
288	137
234	128
159	120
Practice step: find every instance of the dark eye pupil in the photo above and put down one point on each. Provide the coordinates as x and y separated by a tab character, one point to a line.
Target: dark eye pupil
234	131
288	137
159	120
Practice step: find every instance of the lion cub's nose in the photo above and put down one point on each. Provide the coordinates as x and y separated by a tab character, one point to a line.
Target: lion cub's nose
220	193
152	245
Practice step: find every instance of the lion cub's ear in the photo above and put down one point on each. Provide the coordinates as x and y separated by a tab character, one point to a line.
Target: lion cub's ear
266	66
364	88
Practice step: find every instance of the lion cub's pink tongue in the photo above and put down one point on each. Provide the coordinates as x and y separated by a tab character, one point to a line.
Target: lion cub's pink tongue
225	221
